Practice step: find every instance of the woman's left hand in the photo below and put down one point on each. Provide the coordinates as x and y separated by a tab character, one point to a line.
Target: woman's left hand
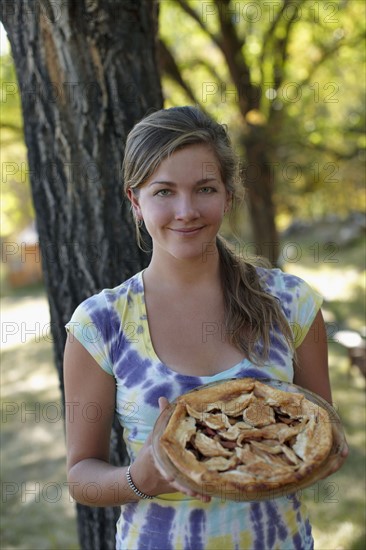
163	403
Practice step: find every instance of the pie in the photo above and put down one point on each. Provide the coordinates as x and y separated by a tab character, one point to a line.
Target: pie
246	435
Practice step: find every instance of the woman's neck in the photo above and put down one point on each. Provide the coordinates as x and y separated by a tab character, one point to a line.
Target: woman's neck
183	274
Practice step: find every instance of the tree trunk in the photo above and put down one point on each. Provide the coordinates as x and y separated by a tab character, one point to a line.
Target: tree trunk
259	182
259	175
87	73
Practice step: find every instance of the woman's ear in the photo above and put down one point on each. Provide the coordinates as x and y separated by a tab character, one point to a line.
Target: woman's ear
229	202
133	197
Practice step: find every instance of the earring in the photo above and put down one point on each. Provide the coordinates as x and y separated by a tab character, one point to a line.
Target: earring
139	222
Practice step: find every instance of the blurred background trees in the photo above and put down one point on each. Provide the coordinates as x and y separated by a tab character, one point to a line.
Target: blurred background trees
285	76
17	208
287	79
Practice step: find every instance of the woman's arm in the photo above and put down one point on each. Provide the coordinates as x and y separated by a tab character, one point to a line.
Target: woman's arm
311	366
311	369
90	404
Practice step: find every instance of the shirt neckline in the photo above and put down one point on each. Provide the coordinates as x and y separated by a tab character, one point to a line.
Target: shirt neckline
150	350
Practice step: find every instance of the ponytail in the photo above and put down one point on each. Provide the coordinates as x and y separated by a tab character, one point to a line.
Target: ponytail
251	314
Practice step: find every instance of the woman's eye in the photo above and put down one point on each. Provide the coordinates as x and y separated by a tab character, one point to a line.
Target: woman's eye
207	190
163	192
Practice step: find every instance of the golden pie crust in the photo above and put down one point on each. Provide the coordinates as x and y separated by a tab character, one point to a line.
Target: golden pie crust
247	435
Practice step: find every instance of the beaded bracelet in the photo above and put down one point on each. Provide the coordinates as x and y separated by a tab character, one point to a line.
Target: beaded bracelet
133	486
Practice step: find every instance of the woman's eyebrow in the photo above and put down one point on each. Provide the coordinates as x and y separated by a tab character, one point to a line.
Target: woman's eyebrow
174	184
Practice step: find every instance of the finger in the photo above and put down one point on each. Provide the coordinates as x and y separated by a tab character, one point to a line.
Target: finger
345	451
189	492
149	439
163	403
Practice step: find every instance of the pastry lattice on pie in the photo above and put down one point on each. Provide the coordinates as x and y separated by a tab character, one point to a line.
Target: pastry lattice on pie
246	434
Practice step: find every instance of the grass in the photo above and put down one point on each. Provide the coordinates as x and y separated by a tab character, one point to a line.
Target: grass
337	504
37	511
36	508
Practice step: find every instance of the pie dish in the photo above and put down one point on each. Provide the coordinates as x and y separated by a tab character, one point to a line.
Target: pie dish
248	439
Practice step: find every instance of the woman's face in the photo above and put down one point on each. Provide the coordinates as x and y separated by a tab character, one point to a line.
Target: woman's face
183	203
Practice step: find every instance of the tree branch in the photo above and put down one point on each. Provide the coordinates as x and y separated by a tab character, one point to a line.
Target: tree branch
338	155
283	48
329	52
279	45
192	13
205	63
267	37
231	47
170	68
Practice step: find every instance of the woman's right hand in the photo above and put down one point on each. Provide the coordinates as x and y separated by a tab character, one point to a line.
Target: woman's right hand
147	476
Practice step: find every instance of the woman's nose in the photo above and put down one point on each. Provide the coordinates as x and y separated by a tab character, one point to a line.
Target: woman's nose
186	209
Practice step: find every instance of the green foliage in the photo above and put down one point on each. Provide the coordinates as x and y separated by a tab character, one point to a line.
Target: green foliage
304	59
17	209
310	94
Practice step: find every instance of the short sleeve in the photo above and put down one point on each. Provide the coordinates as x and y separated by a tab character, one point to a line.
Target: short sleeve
300	303
303	307
90	325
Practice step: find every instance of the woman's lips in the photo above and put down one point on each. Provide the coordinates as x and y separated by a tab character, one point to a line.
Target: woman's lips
187	230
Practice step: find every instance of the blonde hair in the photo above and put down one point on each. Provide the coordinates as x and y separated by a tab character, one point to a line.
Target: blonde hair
250	312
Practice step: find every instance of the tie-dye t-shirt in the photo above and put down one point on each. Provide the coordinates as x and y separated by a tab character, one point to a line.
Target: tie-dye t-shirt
113	327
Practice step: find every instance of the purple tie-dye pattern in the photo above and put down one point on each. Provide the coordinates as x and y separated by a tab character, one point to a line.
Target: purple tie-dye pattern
119	347
142	378
291	281
298	545
128	511
279	343
130	299
132	368
252	372
296	504
105	322
137	285
163	370
308	534
188	383
256	516
162	390
196	526
285	297
303	538
276	520
276	358
133	433
157	531
271	534
146	385
267	277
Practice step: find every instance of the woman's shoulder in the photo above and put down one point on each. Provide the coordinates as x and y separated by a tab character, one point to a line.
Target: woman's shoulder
275	278
113	298
298	299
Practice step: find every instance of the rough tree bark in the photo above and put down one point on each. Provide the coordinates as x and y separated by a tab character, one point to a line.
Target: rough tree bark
87	72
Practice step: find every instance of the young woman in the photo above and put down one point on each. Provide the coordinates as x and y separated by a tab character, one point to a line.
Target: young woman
197	314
